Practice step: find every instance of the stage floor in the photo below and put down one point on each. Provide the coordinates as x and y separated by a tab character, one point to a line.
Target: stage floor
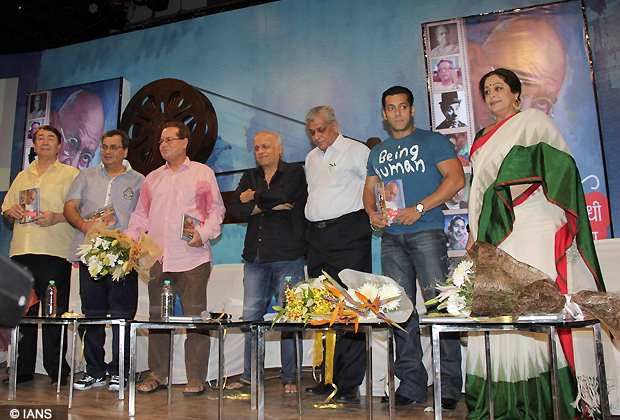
99	403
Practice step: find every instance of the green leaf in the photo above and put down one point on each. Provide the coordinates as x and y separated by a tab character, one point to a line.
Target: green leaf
277	317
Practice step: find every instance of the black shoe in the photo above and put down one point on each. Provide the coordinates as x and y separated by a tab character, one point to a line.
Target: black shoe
349	395
63	381
20	379
320	389
400	400
448	403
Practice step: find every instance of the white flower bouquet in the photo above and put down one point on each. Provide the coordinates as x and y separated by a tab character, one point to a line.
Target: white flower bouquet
323	301
112	252
456	296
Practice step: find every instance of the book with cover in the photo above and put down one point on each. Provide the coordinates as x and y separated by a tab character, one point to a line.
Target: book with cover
107	215
29	200
189	222
390	198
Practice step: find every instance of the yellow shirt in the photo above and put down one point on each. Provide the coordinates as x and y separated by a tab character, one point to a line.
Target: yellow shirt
53	186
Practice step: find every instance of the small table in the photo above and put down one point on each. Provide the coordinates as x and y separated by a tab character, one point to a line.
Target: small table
122	323
258	360
63	322
543	324
219	325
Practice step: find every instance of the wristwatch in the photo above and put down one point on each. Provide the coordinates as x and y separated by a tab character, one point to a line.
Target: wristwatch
420	208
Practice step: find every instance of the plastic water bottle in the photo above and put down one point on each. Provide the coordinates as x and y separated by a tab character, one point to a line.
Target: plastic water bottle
287	286
50	300
167	301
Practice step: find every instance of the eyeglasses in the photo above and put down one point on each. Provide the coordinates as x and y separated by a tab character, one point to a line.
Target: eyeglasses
445	68
112	147
161	141
72	147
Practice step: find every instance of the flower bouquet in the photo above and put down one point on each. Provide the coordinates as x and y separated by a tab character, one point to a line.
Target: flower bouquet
489	282
111	252
369	298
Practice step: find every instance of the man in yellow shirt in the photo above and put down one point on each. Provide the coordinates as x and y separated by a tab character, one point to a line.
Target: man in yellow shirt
42	246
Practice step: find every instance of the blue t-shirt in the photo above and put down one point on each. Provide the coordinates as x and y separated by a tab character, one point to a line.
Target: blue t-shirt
413	159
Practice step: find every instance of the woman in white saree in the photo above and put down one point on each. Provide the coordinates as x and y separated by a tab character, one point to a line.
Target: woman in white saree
526	198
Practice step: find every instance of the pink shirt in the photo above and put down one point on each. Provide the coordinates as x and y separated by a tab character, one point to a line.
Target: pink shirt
164	198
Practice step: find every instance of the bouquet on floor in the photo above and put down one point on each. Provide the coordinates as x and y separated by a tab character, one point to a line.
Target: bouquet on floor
111	252
369	298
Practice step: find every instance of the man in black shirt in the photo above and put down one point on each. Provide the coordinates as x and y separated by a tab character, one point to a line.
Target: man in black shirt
271	197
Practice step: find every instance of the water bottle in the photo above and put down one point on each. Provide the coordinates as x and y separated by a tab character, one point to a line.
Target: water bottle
50	300
287	286
167	301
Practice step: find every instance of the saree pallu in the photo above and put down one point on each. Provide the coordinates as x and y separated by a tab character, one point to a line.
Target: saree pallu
548	228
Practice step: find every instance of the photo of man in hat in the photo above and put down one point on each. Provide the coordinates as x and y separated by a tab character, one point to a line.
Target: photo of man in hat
450	105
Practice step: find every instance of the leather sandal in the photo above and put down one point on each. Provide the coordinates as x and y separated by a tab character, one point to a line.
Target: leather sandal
152	384
193	383
238	385
290	388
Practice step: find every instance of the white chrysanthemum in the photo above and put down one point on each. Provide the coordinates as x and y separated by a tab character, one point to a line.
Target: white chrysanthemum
84	249
117	273
369	290
105	244
112	259
461	272
388	291
456	305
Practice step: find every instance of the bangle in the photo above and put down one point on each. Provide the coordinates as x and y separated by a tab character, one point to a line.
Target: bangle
370	219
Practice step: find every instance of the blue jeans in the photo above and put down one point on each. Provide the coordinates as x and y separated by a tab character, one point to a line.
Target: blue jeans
403	257
261	281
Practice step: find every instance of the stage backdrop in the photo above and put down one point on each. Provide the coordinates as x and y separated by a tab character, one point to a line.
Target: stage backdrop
546	47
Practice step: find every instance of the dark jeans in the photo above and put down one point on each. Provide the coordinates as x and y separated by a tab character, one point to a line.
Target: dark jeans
260	282
343	244
45	268
101	298
403	257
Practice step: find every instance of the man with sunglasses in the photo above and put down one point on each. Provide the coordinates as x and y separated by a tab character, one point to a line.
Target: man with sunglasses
180	187
42	246
113	183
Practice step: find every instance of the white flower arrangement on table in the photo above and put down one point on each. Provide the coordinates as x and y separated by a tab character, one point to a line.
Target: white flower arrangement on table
456	296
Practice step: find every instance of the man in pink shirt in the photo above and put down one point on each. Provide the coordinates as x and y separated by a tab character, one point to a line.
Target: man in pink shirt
177	188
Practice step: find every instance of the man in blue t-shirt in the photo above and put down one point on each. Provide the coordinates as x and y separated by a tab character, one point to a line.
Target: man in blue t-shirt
413	242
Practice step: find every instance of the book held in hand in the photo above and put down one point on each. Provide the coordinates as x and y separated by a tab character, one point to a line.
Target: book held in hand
390	198
29	201
187	223
107	215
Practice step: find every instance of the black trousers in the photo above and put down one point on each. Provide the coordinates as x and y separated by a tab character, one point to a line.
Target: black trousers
100	298
343	243
44	268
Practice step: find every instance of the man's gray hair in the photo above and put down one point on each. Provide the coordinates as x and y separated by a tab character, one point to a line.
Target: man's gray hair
324	110
275	136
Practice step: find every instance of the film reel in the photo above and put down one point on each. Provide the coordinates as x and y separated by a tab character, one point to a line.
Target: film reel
153	106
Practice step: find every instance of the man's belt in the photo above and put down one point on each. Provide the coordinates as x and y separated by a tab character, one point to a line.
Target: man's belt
324	223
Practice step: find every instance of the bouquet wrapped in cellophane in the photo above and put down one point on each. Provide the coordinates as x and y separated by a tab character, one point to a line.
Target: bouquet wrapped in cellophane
369	298
111	252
